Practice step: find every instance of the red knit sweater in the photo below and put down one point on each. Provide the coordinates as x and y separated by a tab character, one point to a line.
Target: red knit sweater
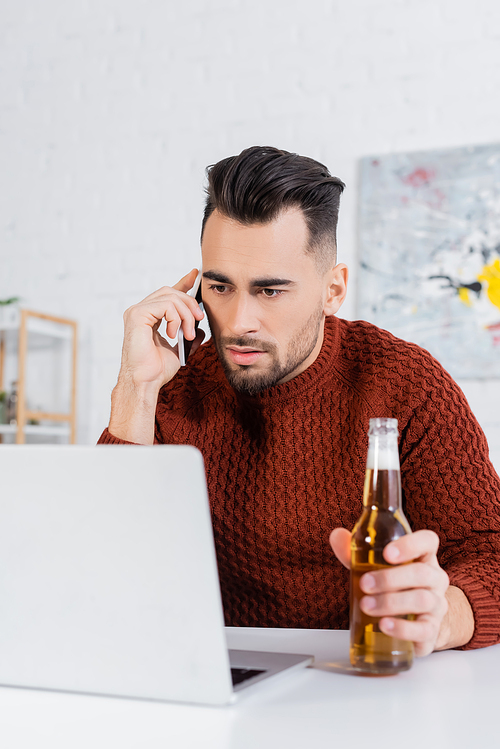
287	466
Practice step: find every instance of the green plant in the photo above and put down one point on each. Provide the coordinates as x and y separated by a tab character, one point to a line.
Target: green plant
11	300
3	396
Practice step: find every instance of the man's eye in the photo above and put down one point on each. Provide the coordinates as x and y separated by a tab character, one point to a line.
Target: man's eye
218	288
271	293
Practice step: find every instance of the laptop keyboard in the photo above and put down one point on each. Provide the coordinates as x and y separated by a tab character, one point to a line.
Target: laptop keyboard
242	674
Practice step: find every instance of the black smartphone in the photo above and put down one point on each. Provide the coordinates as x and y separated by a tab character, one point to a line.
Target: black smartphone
184	346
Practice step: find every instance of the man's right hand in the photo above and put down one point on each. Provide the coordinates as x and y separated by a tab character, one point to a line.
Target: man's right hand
148	360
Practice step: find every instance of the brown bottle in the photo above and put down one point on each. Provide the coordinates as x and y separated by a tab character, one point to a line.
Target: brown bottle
381	521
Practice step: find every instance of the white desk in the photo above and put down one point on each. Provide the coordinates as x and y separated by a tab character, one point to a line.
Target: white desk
448	699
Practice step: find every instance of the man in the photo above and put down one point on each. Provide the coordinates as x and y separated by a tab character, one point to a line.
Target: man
279	402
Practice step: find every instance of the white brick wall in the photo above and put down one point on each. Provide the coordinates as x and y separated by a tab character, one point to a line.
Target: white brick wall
111	109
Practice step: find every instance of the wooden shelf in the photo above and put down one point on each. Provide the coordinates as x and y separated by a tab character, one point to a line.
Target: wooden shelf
56	430
45	328
41	328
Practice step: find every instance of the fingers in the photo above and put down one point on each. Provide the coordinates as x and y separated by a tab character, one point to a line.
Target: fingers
187	282
177	312
406	577
184	285
171	304
423	631
340	541
403	603
419	545
417	590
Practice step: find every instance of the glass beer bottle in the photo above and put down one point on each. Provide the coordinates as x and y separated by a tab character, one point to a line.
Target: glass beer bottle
381	521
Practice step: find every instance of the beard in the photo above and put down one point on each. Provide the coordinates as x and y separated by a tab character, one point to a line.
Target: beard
244	379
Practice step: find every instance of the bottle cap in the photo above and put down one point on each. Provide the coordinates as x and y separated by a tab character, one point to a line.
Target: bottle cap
383	445
382	426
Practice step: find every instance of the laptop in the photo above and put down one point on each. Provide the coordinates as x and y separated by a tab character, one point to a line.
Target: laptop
108	577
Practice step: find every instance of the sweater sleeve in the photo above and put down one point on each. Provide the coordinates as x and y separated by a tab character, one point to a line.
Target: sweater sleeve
451	487
107	438
165	423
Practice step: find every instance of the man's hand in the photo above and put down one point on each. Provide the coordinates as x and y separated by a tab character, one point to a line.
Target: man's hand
148	360
443	617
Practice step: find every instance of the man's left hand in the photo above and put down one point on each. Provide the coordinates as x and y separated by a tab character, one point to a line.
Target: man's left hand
419	588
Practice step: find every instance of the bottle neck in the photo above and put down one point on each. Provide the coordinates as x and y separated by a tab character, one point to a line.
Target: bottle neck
383	480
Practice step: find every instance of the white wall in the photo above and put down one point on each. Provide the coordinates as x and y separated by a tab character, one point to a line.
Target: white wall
111	109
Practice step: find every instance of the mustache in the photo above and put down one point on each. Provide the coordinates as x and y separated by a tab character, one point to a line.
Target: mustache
254	343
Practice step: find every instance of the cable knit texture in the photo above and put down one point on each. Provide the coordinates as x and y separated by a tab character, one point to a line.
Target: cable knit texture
287	466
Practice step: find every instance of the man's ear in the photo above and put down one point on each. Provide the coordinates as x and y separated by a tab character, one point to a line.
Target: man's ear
336	280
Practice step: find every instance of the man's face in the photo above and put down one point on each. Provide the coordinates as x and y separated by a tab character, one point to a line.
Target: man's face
265	298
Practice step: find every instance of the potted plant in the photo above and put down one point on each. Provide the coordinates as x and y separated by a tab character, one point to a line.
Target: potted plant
3	402
9	311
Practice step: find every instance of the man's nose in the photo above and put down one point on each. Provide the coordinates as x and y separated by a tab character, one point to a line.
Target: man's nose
243	318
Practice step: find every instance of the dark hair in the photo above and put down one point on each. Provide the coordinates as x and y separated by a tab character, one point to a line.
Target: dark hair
254	187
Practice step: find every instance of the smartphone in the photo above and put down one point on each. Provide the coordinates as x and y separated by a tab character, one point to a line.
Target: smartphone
184	346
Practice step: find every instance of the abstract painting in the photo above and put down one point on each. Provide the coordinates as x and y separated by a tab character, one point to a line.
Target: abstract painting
430	253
